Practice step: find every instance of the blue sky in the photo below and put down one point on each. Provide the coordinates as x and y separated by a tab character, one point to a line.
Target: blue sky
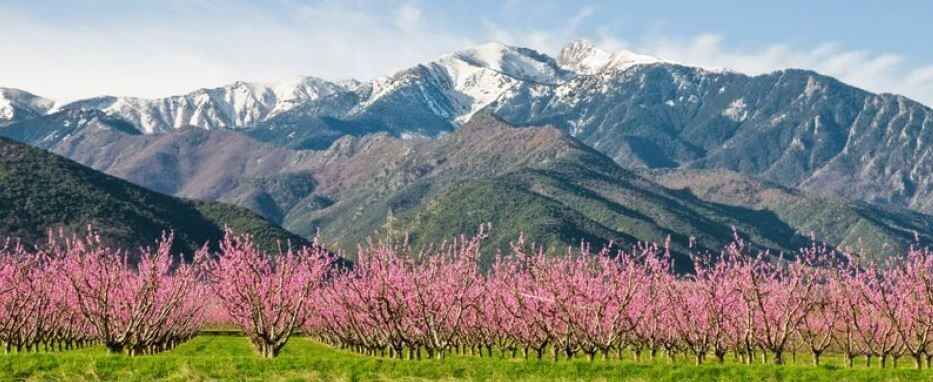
74	49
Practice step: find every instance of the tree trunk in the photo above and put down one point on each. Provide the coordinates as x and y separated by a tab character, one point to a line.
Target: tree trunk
268	350
569	352
816	358
114	348
918	361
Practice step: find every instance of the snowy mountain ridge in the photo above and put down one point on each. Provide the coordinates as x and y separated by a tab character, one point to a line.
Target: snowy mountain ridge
17	104
466	81
233	106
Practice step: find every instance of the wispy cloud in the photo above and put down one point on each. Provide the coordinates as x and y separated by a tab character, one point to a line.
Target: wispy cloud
205	43
407	17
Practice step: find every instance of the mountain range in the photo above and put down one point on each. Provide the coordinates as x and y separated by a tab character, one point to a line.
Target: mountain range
588	145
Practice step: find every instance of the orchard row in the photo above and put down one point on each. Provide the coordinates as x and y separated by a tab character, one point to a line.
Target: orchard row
395	302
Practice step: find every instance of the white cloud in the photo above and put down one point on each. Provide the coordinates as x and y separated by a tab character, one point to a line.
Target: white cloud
921	76
577	20
205	44
548	39
407	17
230	43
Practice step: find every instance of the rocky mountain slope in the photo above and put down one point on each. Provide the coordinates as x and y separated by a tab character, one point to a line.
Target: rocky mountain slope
536	180
856	226
796	128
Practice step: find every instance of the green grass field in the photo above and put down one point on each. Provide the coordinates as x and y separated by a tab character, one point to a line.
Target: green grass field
230	358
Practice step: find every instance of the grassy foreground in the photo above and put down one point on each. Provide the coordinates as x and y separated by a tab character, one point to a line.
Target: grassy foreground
230	358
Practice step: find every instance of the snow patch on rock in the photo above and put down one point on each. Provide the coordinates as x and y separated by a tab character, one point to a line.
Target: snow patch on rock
584	58
736	110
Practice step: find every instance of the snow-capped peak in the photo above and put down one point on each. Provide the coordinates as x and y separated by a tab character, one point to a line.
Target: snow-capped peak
468	80
519	63
583	57
15	103
277	96
289	94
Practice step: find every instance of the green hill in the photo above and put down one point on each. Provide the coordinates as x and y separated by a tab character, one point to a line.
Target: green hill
40	191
